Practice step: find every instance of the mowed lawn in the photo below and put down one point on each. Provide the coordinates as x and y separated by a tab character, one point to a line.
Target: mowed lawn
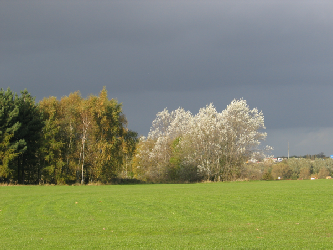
243	215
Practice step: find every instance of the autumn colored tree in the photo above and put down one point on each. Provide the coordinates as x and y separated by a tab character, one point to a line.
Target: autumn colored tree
115	143
86	140
52	148
70	134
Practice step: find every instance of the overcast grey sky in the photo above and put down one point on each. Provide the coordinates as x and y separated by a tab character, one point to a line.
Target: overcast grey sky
277	55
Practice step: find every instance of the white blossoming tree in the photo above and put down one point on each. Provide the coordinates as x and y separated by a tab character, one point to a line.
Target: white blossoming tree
209	145
242	135
202	141
155	151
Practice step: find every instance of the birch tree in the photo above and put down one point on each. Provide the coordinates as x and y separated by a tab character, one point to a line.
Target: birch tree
86	139
70	132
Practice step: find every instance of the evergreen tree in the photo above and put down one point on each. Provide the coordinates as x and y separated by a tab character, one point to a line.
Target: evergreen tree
9	148
27	167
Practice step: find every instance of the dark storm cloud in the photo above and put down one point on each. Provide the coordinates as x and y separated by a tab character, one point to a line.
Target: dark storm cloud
151	54
169	46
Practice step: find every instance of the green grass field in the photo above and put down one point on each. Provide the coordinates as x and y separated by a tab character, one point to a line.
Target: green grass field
233	215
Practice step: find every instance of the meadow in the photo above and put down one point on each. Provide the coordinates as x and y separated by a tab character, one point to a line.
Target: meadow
229	215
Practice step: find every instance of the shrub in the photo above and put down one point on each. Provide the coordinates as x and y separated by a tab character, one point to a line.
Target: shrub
281	170
304	173
267	177
252	172
323	172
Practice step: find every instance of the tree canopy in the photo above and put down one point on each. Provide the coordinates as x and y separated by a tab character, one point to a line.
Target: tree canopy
73	139
84	140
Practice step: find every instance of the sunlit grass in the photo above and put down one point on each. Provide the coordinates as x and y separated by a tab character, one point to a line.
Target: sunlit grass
276	214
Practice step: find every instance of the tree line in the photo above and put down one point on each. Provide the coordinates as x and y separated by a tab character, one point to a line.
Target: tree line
70	140
86	140
289	169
